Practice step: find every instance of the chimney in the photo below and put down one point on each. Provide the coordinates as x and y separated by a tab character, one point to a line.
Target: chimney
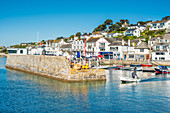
123	43
128	42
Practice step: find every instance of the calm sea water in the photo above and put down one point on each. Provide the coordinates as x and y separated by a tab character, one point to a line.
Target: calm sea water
22	92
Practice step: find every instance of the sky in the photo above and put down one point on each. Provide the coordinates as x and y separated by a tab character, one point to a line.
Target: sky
20	20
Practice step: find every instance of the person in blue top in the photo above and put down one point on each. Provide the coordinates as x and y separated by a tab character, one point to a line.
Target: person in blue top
134	74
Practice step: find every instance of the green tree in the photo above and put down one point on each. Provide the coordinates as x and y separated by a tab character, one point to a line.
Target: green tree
141	23
65	39
71	37
78	34
166	18
108	22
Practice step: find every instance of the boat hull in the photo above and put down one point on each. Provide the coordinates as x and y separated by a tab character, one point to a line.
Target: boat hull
129	80
135	65
146	65
159	71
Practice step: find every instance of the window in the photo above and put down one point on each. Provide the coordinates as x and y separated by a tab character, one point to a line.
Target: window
141	56
155	58
166	40
157	48
165	48
21	51
162	24
154	24
141	50
131	56
12	51
160	41
160	53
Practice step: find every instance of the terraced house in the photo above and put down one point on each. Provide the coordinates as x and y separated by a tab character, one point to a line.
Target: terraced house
160	25
161	48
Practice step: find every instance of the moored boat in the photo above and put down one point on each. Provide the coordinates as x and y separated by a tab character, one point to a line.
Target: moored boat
162	71
148	70
135	65
101	67
128	68
146	65
113	68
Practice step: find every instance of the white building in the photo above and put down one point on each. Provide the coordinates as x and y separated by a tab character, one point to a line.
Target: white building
160	25
110	35
132	32
161	49
53	47
142	52
129	51
141	28
78	47
17	51
108	47
37	50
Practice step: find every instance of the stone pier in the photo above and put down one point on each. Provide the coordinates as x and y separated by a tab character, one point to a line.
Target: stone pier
53	67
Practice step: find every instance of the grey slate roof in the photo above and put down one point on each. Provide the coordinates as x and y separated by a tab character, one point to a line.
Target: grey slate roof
142	45
116	44
136	41
167	36
154	38
161	43
93	39
66	46
110	40
130	30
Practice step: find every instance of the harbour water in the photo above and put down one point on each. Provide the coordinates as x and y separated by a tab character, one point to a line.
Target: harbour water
22	92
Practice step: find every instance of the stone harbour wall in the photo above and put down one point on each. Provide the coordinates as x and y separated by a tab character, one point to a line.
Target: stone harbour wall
53	67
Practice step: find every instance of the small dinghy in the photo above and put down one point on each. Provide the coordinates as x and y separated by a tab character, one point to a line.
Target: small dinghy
129	80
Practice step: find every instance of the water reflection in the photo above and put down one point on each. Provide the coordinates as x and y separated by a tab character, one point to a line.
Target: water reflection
54	85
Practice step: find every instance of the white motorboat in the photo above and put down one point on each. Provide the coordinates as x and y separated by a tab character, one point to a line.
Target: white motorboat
129	80
101	67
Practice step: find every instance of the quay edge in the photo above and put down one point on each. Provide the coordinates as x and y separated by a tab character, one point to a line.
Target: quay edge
53	67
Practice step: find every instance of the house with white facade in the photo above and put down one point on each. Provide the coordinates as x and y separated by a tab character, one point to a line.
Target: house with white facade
142	52
53	47
36	50
129	50
109	48
78	47
111	35
160	25
17	51
117	47
161	49
132	32
137	26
